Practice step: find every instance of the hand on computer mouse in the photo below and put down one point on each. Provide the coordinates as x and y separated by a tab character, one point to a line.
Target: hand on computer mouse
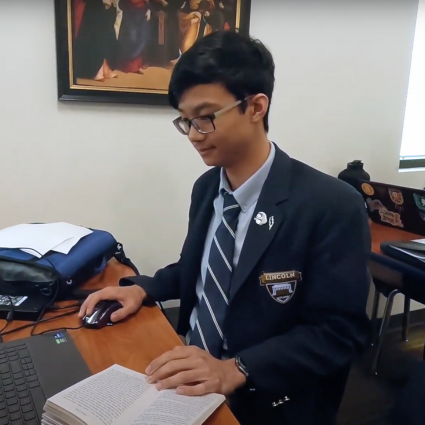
131	298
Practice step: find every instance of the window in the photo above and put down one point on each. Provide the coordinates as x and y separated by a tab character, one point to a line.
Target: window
412	154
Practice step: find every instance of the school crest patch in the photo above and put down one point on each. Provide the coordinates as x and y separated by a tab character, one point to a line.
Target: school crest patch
281	286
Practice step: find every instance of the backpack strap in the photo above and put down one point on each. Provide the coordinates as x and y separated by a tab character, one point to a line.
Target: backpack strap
123	259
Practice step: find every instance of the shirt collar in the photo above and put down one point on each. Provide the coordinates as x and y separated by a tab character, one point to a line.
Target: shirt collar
249	192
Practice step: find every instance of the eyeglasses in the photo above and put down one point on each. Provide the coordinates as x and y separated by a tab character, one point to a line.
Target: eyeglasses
203	124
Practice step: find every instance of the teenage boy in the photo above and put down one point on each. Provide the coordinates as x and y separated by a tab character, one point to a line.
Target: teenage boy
272	277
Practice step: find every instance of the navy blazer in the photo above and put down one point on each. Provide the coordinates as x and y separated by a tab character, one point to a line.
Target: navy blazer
298	334
409	406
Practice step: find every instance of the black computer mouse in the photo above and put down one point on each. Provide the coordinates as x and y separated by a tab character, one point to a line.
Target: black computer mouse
101	315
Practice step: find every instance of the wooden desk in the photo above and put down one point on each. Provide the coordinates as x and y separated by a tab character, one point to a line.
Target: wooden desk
389	279
133	343
382	233
393	277
378	265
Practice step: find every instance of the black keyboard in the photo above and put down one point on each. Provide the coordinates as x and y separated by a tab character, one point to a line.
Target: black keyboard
18	386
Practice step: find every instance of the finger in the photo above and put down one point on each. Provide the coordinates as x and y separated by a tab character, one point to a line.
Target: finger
180	379
195	390
88	305
93	299
171	368
121	314
83	308
176	354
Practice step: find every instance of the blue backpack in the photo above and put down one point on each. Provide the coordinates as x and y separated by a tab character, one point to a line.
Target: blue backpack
58	275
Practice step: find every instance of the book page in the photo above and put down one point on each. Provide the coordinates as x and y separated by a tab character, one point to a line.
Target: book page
170	408
105	398
51	420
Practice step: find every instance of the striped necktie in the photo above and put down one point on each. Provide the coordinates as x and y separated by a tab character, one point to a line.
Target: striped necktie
208	331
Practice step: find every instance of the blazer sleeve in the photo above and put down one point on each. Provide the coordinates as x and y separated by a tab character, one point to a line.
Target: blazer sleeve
332	323
165	284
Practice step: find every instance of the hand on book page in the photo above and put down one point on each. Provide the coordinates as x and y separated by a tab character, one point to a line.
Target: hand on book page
105	398
194	372
172	409
120	396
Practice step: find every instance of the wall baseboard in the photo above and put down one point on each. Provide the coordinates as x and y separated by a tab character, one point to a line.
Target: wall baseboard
417	317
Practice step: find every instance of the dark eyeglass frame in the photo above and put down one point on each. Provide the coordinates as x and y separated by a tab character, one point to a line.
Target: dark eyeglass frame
211	117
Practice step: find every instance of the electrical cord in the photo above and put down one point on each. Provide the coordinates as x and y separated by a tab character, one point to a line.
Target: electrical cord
58	329
9	317
40	316
123	259
162	309
4	327
56	307
64	307
48	319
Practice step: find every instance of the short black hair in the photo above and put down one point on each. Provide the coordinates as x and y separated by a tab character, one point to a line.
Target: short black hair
243	65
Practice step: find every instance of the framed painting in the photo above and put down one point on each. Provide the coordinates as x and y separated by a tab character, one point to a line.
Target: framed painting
124	51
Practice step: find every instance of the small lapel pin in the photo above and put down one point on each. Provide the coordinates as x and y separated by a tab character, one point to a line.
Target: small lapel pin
271	222
260	218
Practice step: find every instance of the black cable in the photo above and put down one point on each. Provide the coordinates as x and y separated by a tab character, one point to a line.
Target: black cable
58	329
64	307
9	317
161	308
42	321
48	319
40	316
48	304
4	327
123	259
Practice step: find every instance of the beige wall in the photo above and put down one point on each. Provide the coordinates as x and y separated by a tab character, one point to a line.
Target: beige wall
342	75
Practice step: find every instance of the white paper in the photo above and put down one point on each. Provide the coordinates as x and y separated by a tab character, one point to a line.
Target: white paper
38	239
67	245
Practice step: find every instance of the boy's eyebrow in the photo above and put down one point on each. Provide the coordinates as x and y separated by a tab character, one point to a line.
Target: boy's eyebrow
201	106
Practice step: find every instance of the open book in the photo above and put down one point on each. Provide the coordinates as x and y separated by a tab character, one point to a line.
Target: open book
120	396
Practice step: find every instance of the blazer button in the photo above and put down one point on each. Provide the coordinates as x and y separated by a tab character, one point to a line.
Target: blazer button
279	402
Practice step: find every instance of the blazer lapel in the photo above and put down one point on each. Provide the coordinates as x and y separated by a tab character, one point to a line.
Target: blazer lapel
275	191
